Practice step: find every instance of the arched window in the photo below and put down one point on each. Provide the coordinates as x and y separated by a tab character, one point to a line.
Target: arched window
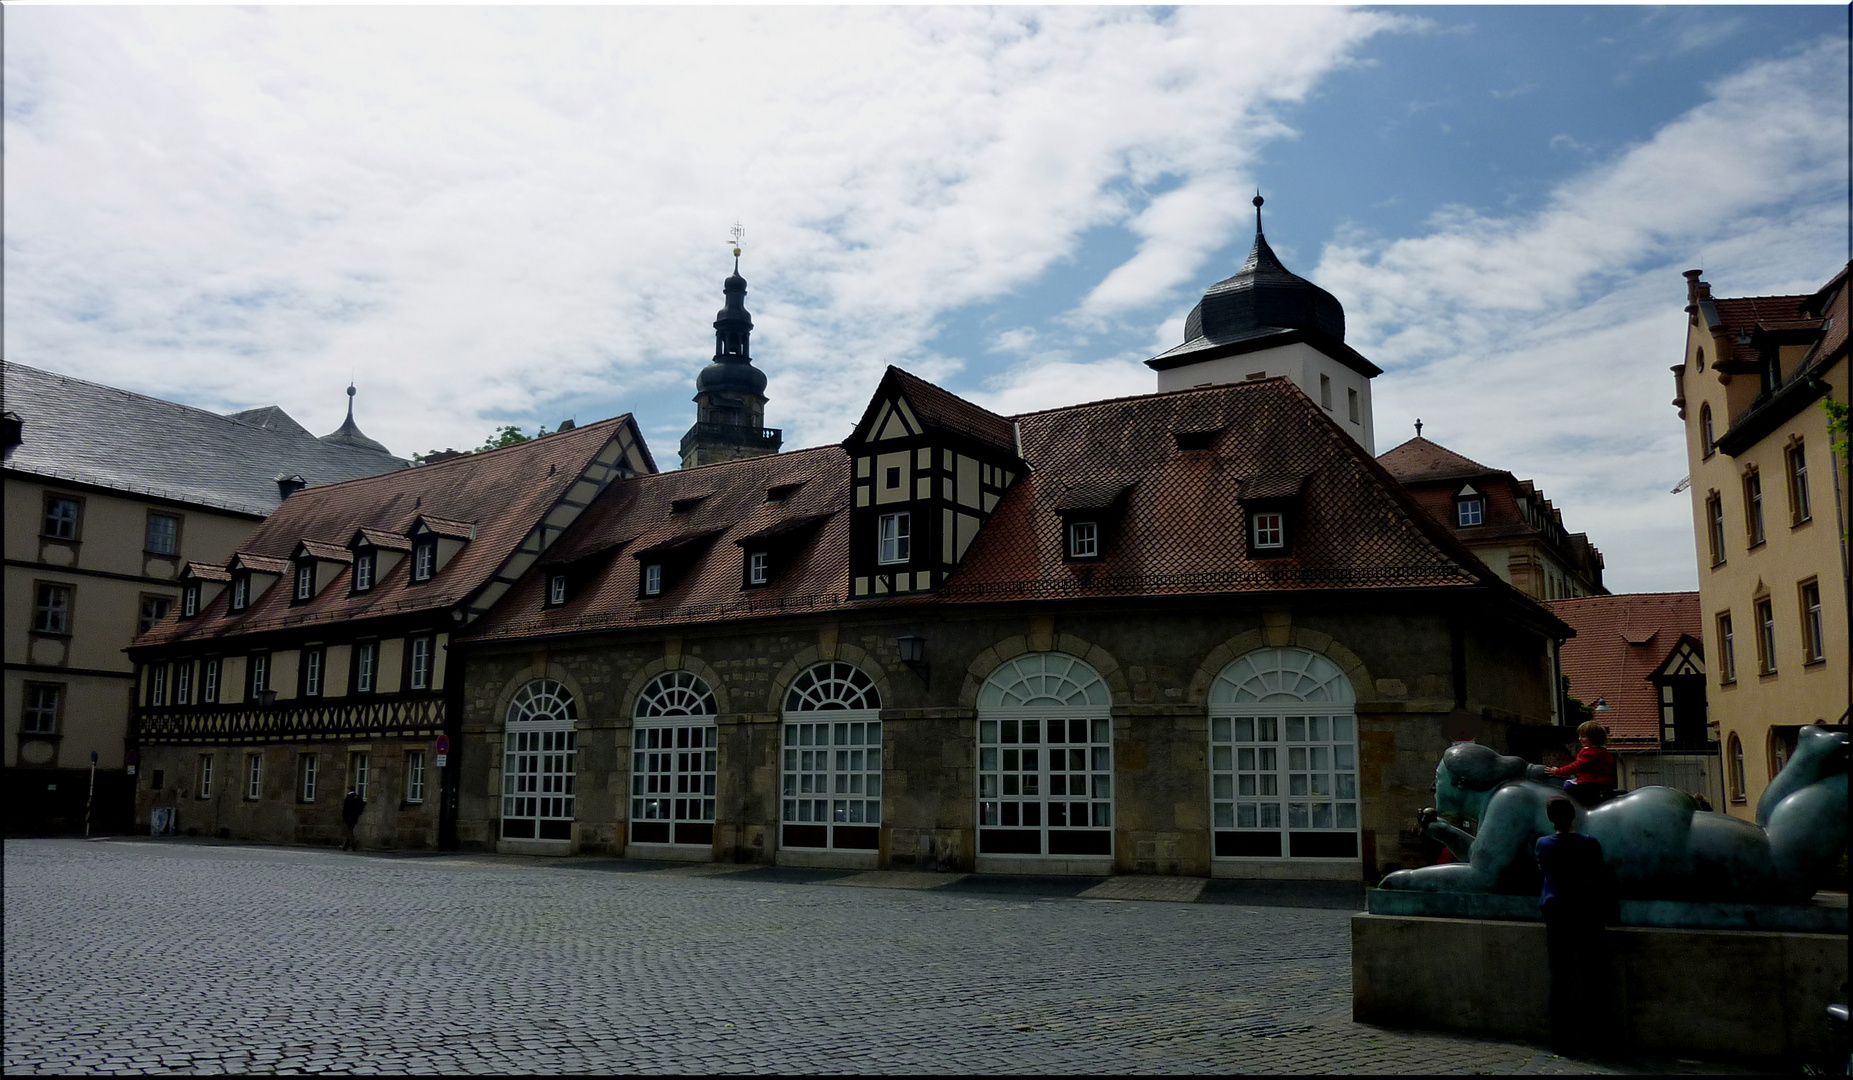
538	763
1701	359
1045	759
1735	757
1283	758
674	747
832	760
1706	443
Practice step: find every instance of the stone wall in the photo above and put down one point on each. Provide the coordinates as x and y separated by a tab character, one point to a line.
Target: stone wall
1158	660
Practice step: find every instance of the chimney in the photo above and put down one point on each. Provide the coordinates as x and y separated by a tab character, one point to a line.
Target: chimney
1692	290
289	484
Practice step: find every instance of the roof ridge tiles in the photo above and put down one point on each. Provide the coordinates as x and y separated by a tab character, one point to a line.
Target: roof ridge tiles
1210	389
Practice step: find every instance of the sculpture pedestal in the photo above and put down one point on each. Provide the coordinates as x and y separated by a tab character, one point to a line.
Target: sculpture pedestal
1756	995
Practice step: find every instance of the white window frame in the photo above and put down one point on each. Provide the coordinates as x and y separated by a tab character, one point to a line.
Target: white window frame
1801	506
260	672
1814	649
414	776
1017	775
366	665
254	777
363	571
422	649
556	590
1470	512
241	592
209	681
172	536
653	579
205	776
424	560
308	768
1753	507
674	758
1284	755
157	684
540	763
183	682
1083	539
51	612
1764	611
63	525
831	756
1268	529
756	565
305	581
895	540
359	771
40	713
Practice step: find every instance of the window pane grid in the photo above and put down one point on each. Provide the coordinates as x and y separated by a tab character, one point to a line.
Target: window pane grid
1045	772
1284	772
673	772
832	772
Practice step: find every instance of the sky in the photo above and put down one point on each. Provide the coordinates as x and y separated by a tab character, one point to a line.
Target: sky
486	216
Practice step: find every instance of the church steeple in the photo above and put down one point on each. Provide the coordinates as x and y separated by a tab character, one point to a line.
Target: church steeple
730	393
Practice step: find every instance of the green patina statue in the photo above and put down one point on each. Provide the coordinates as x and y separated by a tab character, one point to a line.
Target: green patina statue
1656	840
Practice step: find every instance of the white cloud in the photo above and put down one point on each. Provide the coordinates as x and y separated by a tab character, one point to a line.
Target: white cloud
481	211
1540	342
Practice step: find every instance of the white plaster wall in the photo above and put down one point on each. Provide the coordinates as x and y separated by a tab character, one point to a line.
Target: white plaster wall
1300	362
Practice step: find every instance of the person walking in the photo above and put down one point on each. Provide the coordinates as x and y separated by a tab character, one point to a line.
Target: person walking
1592	774
351	806
1577	900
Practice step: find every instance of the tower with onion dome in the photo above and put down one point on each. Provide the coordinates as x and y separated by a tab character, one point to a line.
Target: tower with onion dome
730	393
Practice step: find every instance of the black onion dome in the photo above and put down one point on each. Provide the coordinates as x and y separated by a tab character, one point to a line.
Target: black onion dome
735	313
1264	294
730	375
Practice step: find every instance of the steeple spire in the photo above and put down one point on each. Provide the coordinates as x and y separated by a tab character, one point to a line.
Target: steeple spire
349	433
730	393
1258	201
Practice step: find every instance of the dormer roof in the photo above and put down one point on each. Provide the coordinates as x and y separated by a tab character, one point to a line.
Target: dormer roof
326	552
379	538
449	528
201	571
923	407
263	564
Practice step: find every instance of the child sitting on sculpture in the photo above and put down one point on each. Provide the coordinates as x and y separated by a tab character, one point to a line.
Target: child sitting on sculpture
1592	775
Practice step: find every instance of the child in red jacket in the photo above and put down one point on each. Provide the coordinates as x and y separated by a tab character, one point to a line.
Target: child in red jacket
1592	774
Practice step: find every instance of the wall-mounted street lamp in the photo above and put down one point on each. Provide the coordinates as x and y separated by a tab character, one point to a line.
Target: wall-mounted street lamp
1602	705
913	654
266	698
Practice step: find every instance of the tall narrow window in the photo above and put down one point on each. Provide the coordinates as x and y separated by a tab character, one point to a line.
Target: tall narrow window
539	766
305	581
653	579
157	684
189	604
1714	527
674	759
313	661
363	571
1351	402
163	534
358	771
1800	509
307	766
1325	392
424	560
1814	650
183	682
1766	637
254	776
556	590
209	681
756	568
418	674
832	777
205	776
366	659
1707	444
260	673
1753	507
896	538
414	776
1045	759
241	591
1739	785
51	609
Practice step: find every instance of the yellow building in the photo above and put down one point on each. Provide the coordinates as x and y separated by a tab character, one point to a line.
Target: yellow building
1770	511
109	495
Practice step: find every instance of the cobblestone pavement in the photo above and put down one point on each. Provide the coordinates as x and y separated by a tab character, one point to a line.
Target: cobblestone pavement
153	956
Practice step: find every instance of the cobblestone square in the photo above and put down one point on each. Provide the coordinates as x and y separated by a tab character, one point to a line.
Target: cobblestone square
151	957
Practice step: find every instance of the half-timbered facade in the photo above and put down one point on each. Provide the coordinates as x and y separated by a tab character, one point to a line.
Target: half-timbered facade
318	658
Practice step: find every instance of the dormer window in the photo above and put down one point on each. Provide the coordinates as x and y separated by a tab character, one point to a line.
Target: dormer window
895	538
683	506
756	568
364	562
241	591
305	581
782	492
556	590
653	579
1267	531
1470	512
189	601
424	560
1084	539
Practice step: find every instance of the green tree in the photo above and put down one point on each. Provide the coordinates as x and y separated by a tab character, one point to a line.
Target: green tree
506	435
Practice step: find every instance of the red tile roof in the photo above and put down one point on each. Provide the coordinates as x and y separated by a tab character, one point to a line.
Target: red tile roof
207	572
321	549
1620	641
507	490
1420	459
1180	532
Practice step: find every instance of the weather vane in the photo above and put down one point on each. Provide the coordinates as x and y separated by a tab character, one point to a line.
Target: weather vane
738	233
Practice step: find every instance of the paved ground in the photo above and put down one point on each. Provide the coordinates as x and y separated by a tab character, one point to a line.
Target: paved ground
173	956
